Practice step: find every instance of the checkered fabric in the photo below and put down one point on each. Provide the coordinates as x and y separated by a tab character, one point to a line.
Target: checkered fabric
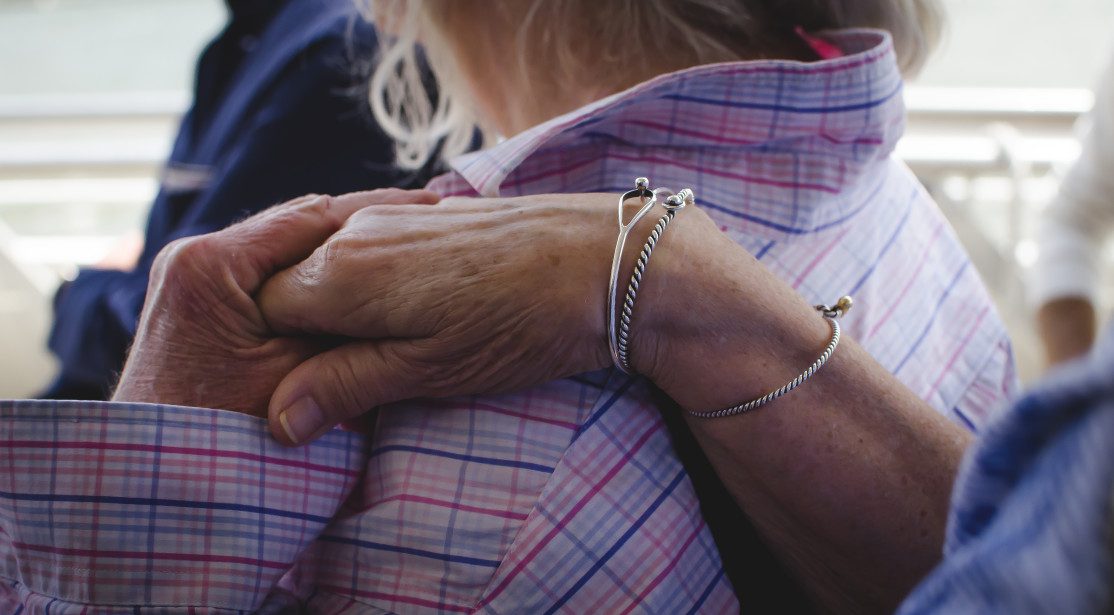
563	498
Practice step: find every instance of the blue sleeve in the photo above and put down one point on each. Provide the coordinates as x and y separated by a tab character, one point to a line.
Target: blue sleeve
1032	519
310	133
315	134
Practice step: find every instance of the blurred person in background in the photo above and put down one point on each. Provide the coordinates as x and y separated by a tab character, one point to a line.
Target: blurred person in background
1073	231
1031	527
278	111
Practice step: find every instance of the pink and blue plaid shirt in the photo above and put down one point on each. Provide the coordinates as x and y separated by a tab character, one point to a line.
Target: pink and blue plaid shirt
567	497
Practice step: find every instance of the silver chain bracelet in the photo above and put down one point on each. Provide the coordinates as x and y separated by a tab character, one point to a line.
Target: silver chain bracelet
830	314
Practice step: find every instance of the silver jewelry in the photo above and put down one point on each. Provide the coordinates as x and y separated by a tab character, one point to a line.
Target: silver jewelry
673	203
830	314
641	190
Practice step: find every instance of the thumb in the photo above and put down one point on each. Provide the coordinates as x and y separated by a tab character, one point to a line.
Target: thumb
338	385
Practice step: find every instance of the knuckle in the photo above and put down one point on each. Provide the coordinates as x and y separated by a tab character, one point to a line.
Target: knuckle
312	204
363	216
184	255
323	210
281	209
305	198
331	258
349	393
419	372
283	220
326	270
320	204
332	251
437	363
189	275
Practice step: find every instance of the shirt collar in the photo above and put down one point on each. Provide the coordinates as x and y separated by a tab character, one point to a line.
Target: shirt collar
769	103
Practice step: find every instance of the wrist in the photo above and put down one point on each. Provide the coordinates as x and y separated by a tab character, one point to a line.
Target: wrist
713	327
155	377
596	237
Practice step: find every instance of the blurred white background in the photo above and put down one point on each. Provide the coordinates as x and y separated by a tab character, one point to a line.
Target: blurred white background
90	91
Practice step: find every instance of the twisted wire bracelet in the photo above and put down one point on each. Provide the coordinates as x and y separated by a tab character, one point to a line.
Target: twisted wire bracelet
619	333
830	314
672	204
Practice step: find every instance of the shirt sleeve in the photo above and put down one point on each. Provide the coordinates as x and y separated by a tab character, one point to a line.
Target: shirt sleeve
1074	227
138	506
1030	528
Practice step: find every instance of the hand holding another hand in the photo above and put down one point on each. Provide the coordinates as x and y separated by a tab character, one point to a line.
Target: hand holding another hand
480	296
471	296
201	340
316	311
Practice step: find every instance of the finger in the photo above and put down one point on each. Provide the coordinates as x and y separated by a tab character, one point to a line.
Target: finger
377	277
340	385
287	233
355	201
361	282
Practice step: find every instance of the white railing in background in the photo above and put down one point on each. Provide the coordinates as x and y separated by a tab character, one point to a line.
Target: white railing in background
960	130
94	135
946	128
960	137
165	105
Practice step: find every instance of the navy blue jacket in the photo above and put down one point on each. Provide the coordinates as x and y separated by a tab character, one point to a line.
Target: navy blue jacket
279	111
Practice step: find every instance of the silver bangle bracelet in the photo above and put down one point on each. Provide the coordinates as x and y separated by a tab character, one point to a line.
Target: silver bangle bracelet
619	325
641	190
830	314
673	204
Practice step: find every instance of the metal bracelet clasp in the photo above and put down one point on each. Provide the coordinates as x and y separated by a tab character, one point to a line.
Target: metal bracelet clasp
839	309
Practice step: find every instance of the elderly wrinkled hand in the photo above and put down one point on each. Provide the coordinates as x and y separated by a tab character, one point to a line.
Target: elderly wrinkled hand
472	296
201	340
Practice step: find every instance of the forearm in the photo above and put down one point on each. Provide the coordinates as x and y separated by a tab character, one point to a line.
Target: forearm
848	476
849	482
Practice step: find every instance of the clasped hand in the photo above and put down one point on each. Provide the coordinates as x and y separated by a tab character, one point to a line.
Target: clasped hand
316	311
